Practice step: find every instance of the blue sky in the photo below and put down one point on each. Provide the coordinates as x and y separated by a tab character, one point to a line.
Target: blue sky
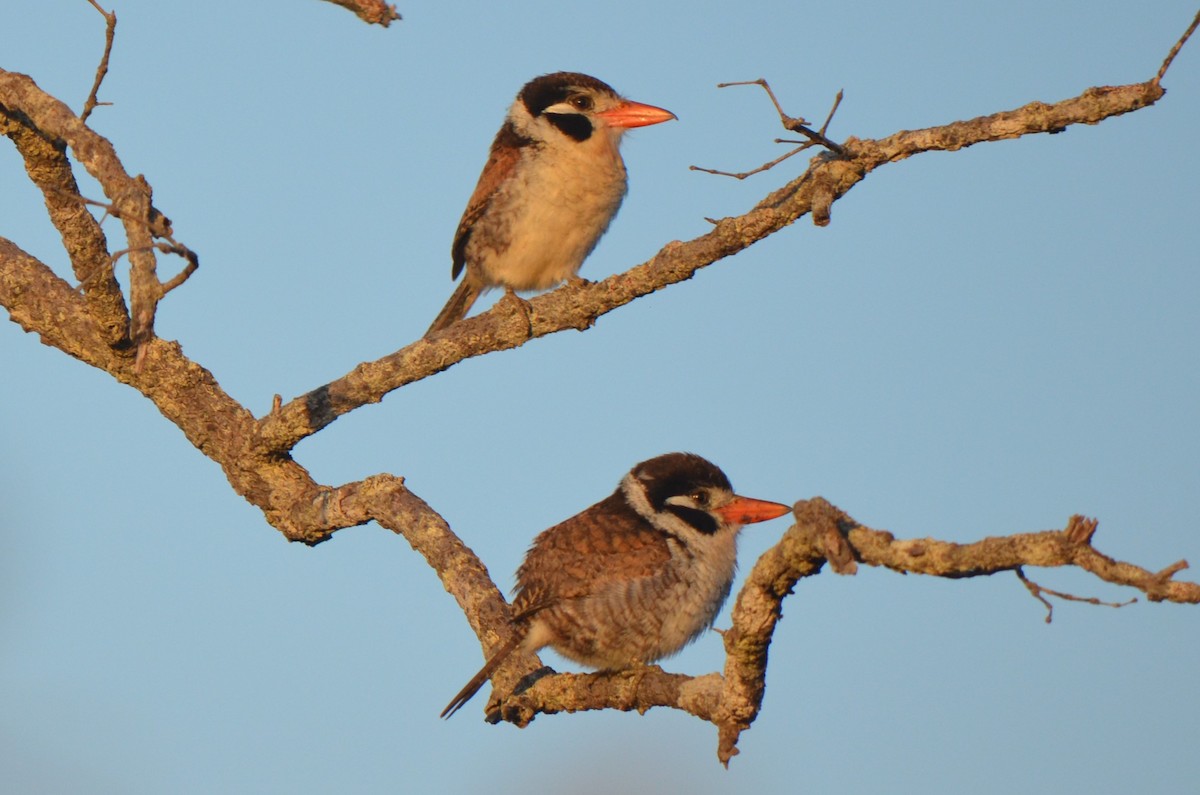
981	343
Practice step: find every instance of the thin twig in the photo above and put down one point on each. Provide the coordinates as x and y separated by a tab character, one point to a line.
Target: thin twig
110	18
170	247
1162	70
837	101
805	144
762	81
193	262
158	224
1037	591
759	170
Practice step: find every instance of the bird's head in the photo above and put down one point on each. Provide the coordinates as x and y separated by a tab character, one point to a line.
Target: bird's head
686	495
578	106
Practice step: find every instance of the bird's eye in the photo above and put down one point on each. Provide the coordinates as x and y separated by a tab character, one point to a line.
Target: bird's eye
581	102
700	498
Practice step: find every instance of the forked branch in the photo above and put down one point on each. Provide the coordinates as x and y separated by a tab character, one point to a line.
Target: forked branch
794	124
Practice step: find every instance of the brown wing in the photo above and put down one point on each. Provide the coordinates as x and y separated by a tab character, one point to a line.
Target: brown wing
586	553
502	159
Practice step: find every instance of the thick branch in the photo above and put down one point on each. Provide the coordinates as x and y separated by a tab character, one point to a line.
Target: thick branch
638	689
40	302
49	169
22	102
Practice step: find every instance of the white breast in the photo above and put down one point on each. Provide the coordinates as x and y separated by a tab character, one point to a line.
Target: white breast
697	599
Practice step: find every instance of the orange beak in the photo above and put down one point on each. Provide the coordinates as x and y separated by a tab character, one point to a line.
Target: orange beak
635	114
746	510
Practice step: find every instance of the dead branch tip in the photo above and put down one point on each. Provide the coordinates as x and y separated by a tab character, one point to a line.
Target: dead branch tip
110	29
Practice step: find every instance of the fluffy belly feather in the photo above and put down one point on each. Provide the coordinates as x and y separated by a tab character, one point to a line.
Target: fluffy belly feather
544	238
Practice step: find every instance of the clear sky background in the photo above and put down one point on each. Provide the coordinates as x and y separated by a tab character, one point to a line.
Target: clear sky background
981	343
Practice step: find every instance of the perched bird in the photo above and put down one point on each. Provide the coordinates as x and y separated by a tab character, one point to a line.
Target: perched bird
553	181
635	577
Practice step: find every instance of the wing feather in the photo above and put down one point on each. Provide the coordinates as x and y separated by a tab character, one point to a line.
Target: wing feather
505	153
582	556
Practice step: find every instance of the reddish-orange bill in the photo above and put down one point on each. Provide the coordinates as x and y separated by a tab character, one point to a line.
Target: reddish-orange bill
635	114
747	510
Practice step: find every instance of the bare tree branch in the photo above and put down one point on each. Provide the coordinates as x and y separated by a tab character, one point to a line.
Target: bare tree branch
110	30
255	454
373	12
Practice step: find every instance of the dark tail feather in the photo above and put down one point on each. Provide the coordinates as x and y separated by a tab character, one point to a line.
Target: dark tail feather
457	307
485	673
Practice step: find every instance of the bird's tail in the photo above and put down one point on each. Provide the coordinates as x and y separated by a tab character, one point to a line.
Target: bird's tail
457	307
485	673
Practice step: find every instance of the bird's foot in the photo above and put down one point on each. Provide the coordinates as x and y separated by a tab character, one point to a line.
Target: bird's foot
629	692
518	304
498	709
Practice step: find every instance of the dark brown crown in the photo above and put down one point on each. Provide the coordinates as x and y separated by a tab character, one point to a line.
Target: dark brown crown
542	92
675	474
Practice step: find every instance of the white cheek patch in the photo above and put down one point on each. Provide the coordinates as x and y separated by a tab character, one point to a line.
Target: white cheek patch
560	107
